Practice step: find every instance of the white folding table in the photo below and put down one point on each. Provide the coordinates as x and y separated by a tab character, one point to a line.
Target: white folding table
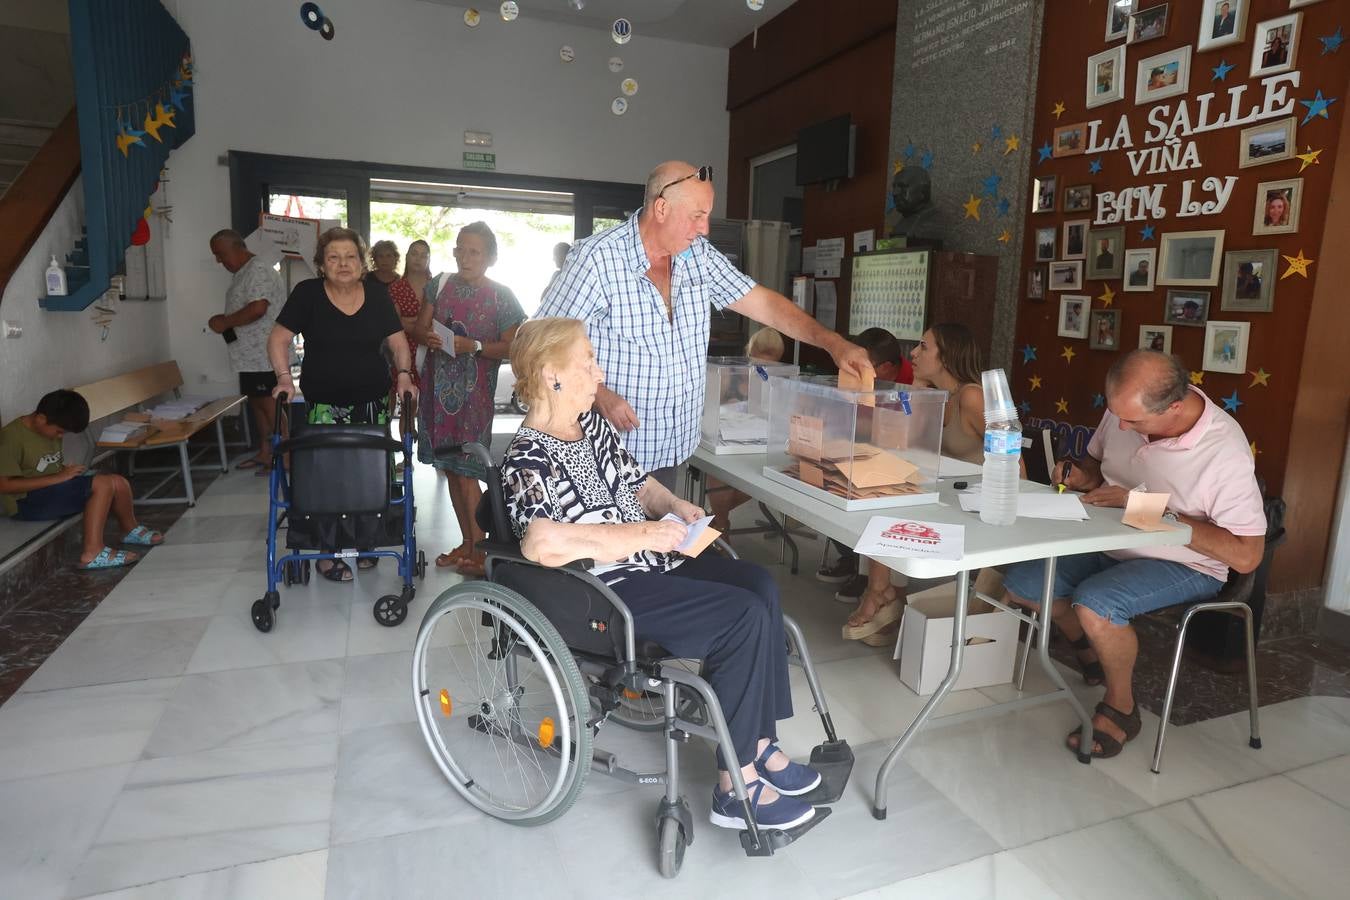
985	545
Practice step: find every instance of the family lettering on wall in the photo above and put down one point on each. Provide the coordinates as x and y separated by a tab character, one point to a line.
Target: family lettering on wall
1167	150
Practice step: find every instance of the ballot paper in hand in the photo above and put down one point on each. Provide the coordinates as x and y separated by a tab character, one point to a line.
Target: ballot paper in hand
699	536
889	536
446	335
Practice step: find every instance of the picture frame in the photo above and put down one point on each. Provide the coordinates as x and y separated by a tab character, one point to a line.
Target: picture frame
1190	258
1137	281
1070	140
1147	24
1222	22
1295	4
1065	275
1226	347
1186	307
1043	193
1275	44
1075	242
1249	278
1163	75
1268	142
1267	217
1118	18
1078	198
1046	238
1156	337
1036	283
1104	329
1106	252
1106	77
1073	315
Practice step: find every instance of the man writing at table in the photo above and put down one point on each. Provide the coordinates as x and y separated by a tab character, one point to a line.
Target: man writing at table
1163	435
645	290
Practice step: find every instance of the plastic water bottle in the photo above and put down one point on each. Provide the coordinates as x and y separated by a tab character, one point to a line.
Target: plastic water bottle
1002	451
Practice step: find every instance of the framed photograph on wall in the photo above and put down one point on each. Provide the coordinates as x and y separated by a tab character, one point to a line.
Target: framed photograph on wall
1147	24
1295	4
1226	347
1066	276
1073	315
1075	239
1118	18
1106	77
1277	206
1078	198
1104	329
1043	194
1222	22
1155	337
1275	45
1140	266
1190	258
1164	75
1036	283
1106	252
1268	142
1070	140
1045	243
1249	281
1186	308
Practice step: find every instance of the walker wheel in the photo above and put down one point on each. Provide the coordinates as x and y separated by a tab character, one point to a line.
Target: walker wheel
390	610
262	615
421	569
304	572
670	844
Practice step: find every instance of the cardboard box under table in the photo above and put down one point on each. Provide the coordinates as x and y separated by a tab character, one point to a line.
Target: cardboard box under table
856	448
924	645
736	405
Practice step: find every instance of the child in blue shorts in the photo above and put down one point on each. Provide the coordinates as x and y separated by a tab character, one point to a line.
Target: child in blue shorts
36	484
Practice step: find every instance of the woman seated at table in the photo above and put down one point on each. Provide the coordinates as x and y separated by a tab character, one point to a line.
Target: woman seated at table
344	320
573	492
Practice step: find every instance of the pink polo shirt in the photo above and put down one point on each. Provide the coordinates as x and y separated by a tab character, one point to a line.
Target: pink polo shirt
1208	471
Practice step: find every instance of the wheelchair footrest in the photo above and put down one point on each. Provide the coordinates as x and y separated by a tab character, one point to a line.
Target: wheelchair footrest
834	761
772	840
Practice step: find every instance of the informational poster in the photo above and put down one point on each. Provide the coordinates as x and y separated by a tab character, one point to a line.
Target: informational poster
829	257
890	291
864	241
827	304
284	236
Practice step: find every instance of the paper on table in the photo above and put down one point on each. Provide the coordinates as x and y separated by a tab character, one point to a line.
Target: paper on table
446	335
1035	506
887	536
805	434
699	536
743	427
1145	511
958	468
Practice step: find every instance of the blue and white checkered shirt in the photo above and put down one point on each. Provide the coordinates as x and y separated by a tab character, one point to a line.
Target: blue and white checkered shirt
658	366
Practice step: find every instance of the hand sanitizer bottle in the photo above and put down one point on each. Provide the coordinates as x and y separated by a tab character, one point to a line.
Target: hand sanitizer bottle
56	279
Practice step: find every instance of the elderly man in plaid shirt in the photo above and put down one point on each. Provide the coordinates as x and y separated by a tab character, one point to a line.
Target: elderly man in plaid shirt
645	290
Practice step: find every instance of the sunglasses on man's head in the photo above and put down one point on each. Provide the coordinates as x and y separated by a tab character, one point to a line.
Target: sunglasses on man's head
703	173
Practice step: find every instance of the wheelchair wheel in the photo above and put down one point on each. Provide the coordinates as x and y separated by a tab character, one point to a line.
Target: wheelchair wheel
305	568
501	704
390	610
262	612
670	845
646	711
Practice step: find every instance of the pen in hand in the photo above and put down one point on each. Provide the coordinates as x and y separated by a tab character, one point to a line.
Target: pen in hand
1064	476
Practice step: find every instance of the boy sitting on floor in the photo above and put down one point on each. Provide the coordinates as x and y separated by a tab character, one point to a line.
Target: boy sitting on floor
36	485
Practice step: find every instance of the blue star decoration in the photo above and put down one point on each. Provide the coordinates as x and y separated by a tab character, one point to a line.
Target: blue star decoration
927	161
1045	150
991	184
910	150
1231	402
176	98
996	132
1221	70
1317	106
1332	42
1003	206
1028	354
1098	401
1096	166
1025	407
1146	233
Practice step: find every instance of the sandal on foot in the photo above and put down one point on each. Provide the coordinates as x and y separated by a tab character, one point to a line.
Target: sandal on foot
883	638
1110	744
251	463
1093	673
142	536
337	571
474	565
366	563
887	611
108	558
447	560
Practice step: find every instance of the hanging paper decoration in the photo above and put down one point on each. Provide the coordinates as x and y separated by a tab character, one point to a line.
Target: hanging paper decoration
1107	296
1231	402
566	53
140	236
1317	106
1261	377
510	10
1005	237
311	15
1011	144
1298	265
621	31
1221	70
618	106
1062	406
1028	354
1309	158
616	64
1331	43
326	29
1067	353
1058	110
156	115
1197	378
1035	381
471	17
1045	151
972	207
629	86
755	5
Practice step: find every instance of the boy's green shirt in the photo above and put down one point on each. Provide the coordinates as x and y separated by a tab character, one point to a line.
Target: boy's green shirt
26	454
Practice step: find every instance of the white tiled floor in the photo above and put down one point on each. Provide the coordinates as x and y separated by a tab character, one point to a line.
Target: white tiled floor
169	750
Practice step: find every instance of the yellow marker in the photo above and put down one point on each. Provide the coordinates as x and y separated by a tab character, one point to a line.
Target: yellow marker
546	733
445	701
1061	488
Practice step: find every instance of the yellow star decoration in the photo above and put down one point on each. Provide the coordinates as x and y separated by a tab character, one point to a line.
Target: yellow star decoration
165	116
1309	158
1035	382
1254	450
972	207
125	140
1107	296
1261	377
1005	237
976	147
1058	110
1011	145
1197	378
151	126
1298	265
897	168
1067	353
1061	405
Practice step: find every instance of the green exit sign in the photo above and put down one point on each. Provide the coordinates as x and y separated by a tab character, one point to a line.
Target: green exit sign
486	161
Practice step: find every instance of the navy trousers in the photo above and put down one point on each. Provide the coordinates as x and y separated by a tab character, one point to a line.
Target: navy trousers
726	613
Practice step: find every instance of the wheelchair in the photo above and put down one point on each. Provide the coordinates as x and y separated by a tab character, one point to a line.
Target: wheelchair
510	693
340	493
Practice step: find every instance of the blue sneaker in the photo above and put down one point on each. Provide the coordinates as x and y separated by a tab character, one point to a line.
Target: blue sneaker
793	781
783	813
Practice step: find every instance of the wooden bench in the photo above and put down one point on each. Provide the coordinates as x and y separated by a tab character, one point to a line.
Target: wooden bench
121	393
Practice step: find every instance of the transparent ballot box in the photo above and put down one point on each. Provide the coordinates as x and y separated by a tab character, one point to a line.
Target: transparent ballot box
736	406
853	448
